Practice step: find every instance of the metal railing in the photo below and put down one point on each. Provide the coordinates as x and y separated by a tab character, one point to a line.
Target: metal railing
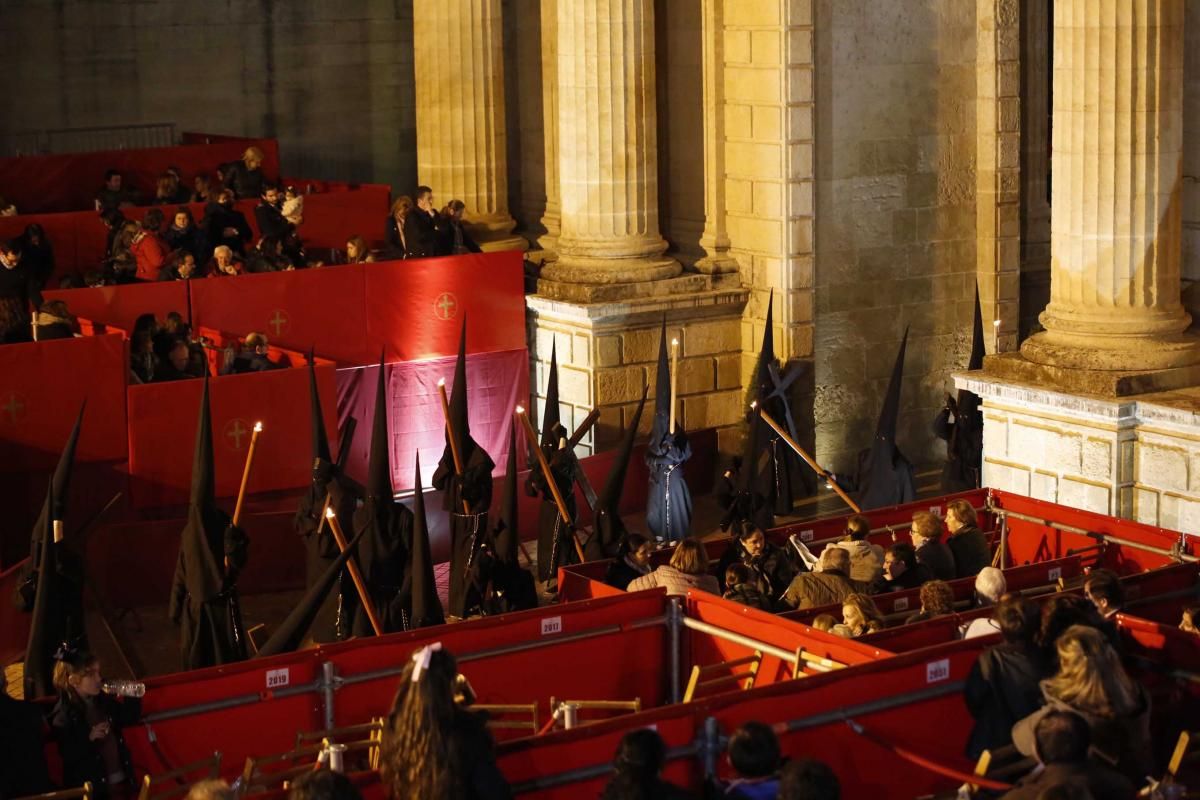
89	139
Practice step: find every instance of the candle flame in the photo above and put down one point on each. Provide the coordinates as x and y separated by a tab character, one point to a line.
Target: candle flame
520	409
441	382
329	513
674	343
753	404
996	323
258	427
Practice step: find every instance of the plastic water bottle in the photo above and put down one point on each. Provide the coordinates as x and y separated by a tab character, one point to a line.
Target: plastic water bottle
124	688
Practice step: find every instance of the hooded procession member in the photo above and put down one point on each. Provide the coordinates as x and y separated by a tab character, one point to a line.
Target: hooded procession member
555	547
467	497
885	476
421	601
497	565
744	492
320	545
40	647
608	529
781	461
383	555
964	435
668	502
212	551
66	621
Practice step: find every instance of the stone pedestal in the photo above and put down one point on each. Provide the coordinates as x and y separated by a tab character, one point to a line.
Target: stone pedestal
461	139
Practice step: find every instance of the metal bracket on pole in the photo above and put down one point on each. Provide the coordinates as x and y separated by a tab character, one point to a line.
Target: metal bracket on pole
674	645
570	715
710	746
330	683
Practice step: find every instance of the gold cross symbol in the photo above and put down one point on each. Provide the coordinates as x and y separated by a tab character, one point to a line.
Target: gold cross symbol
235	430
446	306
278	322
15	407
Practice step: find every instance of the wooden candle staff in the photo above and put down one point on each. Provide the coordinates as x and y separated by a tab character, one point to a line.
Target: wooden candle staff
355	575
458	465
237	510
545	466
674	379
822	473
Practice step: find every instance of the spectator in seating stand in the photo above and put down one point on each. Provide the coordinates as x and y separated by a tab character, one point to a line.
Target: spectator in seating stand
175	367
754	754
740	587
357	251
395	227
37	256
1092	682
1103	588
829	584
420	226
7	209
1190	620
253	356
224	225
901	570
452	236
825	623
866	559
172	330
121	266
268	256
164	193
18	295
112	194
808	779
245	177
293	206
113	221
179	266
1004	684
688	570
184	234
931	550
148	248
268	215
1061	743
1062	611
223	264
771	567
54	321
141	348
637	769
990	586
861	616
23	770
937	600
179	193
323	784
201	189
632	561
212	789
967	543
434	745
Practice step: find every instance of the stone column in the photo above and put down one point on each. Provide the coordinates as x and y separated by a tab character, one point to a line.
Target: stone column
549	49
715	238
607	141
1117	166
459	70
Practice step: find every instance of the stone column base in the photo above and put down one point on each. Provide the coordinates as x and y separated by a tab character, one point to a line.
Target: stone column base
1095	382
607	351
645	289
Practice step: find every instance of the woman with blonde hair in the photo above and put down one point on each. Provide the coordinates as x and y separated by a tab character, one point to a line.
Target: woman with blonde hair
1092	683
688	570
860	615
397	246
357	251
433	745
245	177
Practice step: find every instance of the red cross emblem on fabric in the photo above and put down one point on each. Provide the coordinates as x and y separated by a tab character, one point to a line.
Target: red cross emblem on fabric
446	306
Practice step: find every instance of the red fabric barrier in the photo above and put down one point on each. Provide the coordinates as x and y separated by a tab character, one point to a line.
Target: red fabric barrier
120	306
162	430
337	211
43	384
832	528
70	181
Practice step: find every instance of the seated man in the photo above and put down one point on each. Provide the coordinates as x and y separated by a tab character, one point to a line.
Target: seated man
112	194
901	570
175	368
269	216
1063	739
253	356
828	586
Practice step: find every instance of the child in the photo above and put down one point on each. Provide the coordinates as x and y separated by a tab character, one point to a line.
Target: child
293	206
742	589
755	757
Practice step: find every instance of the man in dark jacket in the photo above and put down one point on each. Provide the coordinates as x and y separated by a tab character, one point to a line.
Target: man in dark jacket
931	550
225	225
420	226
901	570
967	543
270	219
1063	740
452	236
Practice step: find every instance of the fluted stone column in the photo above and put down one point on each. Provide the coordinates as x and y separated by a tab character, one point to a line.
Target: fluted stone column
1117	189
607	143
549	48
715	238
459	66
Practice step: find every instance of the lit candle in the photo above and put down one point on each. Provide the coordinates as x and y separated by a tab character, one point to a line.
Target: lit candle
674	378
996	335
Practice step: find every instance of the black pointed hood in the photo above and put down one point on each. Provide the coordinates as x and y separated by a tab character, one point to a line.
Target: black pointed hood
977	343
320	440
458	393
379	467
748	502
426	607
760	385
203	493
662	391
60	486
608	529
550	416
290	634
885	476
506	533
39	664
889	414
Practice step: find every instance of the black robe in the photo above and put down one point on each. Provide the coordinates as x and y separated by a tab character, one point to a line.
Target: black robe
669	504
383	556
964	448
467	531
555	547
322	550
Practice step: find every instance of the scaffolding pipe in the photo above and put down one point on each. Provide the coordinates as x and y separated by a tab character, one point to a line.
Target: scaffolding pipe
1104	537
816	662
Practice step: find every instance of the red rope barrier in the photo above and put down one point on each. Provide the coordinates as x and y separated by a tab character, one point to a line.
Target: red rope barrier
925	763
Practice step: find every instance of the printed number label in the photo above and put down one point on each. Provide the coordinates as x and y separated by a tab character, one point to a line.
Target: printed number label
900	604
937	670
806	536
935	510
1054	574
277	678
551	625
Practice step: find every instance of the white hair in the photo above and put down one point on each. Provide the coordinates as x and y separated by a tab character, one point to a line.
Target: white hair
223	250
990	584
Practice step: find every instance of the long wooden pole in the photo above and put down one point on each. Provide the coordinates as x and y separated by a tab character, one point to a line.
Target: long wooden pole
817	468
458	466
352	566
541	458
237	510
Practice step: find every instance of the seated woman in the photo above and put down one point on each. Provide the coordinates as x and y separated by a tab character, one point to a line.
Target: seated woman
224	263
1092	683
937	600
54	321
268	257
433	744
202	188
87	726
861	616
357	251
37	255
772	566
632	561
688	570
184	234
1190	620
